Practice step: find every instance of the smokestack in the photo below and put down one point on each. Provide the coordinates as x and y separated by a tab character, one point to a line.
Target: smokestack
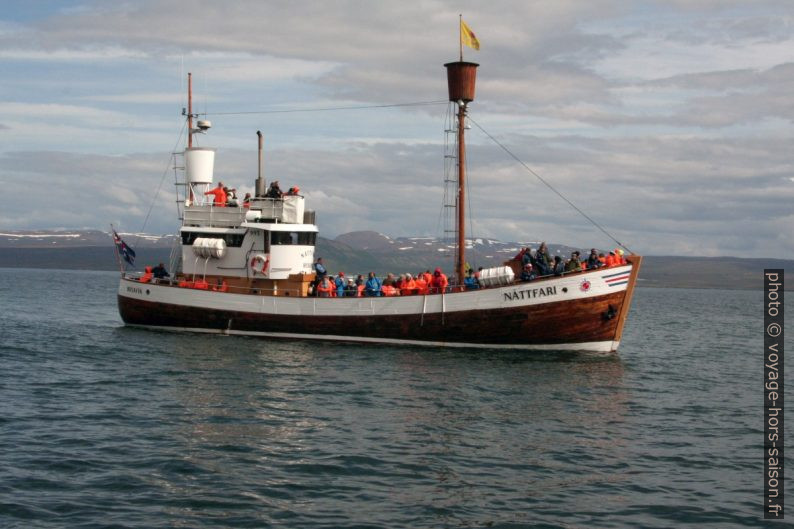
260	182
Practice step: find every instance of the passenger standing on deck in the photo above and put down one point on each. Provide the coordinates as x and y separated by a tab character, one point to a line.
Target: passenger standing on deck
543	260
573	264
421	284
527	274
159	271
351	290
319	273
324	289
340	285
471	281
526	256
274	191
408	286
247	200
559	266
592	260
231	197
219	195
440	282
373	285
319	269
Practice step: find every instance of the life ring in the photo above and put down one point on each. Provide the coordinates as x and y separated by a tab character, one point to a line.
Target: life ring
256	267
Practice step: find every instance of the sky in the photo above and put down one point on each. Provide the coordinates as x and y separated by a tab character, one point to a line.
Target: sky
669	123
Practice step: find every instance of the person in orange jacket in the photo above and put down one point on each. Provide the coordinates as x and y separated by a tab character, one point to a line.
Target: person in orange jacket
408	286
421	284
325	289
440	282
147	275
610	260
219	196
389	290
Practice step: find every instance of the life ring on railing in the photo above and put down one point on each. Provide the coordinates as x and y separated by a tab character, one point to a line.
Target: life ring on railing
260	264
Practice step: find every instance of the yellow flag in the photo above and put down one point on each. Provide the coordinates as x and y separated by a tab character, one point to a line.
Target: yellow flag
467	36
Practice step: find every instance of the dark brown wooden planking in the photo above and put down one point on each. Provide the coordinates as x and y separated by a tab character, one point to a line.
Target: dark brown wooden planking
571	321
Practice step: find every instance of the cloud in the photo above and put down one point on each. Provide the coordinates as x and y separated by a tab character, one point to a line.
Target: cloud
667	122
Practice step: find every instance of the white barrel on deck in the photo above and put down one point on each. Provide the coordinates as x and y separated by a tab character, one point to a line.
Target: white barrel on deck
497	276
209	247
199	165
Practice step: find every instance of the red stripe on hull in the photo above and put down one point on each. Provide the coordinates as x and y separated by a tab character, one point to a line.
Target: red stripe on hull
572	321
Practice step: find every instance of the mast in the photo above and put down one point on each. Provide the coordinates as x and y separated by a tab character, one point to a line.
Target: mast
190	126
189	110
461	79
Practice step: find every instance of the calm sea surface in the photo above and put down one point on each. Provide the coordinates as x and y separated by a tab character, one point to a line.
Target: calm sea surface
105	426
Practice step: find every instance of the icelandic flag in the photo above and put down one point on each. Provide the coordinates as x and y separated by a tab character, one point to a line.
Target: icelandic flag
124	250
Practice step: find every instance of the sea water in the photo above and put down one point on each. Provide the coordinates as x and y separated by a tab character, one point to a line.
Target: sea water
107	426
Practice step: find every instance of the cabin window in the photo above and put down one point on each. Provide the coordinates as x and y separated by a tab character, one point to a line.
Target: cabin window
307	238
293	237
283	237
233	240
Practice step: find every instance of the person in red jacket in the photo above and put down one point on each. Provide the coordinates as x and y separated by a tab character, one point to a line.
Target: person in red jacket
219	196
439	282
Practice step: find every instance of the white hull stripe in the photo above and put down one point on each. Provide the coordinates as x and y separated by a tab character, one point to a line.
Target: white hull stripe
607	346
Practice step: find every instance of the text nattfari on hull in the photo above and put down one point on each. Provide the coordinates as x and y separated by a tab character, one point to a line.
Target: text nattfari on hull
248	267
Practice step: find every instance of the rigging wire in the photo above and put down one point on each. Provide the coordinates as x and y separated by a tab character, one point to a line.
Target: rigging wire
162	179
536	175
326	109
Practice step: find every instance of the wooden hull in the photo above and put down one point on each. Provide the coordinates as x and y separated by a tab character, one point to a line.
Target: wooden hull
554	314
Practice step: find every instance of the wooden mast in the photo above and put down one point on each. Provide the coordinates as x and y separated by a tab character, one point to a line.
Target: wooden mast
461	79
460	263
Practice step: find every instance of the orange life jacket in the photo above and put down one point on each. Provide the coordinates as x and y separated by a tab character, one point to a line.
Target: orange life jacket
610	260
147	275
440	283
408	287
325	292
360	291
421	286
389	290
220	197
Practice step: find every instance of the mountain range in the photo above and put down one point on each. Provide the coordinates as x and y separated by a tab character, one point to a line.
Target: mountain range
364	251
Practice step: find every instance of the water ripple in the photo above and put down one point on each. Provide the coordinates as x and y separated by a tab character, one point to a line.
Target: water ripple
105	426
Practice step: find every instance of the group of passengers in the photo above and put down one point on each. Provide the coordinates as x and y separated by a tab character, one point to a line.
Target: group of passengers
540	263
328	286
223	196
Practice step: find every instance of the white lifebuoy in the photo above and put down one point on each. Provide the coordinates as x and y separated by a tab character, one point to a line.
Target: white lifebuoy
260	264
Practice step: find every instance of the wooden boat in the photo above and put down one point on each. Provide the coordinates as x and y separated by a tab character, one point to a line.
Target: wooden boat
248	270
